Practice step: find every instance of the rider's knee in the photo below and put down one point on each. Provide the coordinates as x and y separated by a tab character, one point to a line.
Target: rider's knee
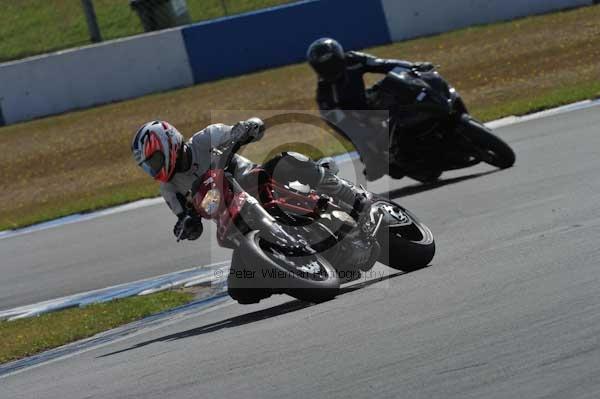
294	166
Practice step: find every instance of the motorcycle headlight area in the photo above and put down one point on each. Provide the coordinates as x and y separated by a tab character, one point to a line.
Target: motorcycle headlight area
211	201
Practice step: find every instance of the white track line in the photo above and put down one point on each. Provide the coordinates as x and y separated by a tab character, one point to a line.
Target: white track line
190	277
508	121
109	337
80	217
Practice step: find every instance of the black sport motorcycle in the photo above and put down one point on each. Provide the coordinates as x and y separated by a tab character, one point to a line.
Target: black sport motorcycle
430	129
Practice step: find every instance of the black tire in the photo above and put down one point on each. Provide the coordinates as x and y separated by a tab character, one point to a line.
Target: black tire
490	148
243	293
396	172
308	277
406	243
426	177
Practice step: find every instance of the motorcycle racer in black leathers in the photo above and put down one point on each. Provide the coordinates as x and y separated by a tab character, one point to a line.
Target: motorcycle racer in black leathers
341	83
341	87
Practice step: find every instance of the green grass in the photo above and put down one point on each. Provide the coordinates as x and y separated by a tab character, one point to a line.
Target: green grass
72	163
549	99
26	337
29	27
89	202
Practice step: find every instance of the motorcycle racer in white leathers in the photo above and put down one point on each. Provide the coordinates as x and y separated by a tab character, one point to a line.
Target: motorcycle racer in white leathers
159	149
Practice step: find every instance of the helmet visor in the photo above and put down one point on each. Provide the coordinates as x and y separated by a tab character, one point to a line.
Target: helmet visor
331	68
154	164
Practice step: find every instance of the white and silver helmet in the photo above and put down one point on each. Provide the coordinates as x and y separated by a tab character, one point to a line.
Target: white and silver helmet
155	148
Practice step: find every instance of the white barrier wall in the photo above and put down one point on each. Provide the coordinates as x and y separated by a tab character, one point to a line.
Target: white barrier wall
92	75
411	18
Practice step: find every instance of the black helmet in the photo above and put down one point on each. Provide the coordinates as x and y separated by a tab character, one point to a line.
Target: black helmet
327	58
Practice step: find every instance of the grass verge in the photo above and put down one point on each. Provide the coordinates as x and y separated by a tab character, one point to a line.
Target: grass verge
29	27
26	337
80	161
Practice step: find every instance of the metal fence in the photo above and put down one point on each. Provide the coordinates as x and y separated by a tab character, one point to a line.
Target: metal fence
30	27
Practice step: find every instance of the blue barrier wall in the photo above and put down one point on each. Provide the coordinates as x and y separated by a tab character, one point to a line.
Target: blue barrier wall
280	35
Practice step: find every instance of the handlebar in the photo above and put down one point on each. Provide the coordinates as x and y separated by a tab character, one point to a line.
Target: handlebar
417	71
224	154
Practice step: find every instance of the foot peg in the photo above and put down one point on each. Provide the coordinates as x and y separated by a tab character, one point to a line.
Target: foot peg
329	163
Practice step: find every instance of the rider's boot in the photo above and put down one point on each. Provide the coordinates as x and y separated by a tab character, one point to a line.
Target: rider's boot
346	192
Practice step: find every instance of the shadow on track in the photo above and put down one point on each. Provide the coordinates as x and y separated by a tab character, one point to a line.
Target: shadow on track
419	188
252	317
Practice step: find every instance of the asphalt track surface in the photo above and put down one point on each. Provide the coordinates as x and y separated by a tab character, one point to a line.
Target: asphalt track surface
98	253
510	306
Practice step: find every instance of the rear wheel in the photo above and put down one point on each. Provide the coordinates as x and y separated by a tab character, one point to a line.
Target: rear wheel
406	243
490	148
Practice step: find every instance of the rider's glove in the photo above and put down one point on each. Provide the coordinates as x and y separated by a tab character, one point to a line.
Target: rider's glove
247	131
188	227
423	66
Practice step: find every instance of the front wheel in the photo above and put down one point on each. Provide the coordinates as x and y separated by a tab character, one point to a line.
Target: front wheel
406	243
426	176
489	148
269	267
243	291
